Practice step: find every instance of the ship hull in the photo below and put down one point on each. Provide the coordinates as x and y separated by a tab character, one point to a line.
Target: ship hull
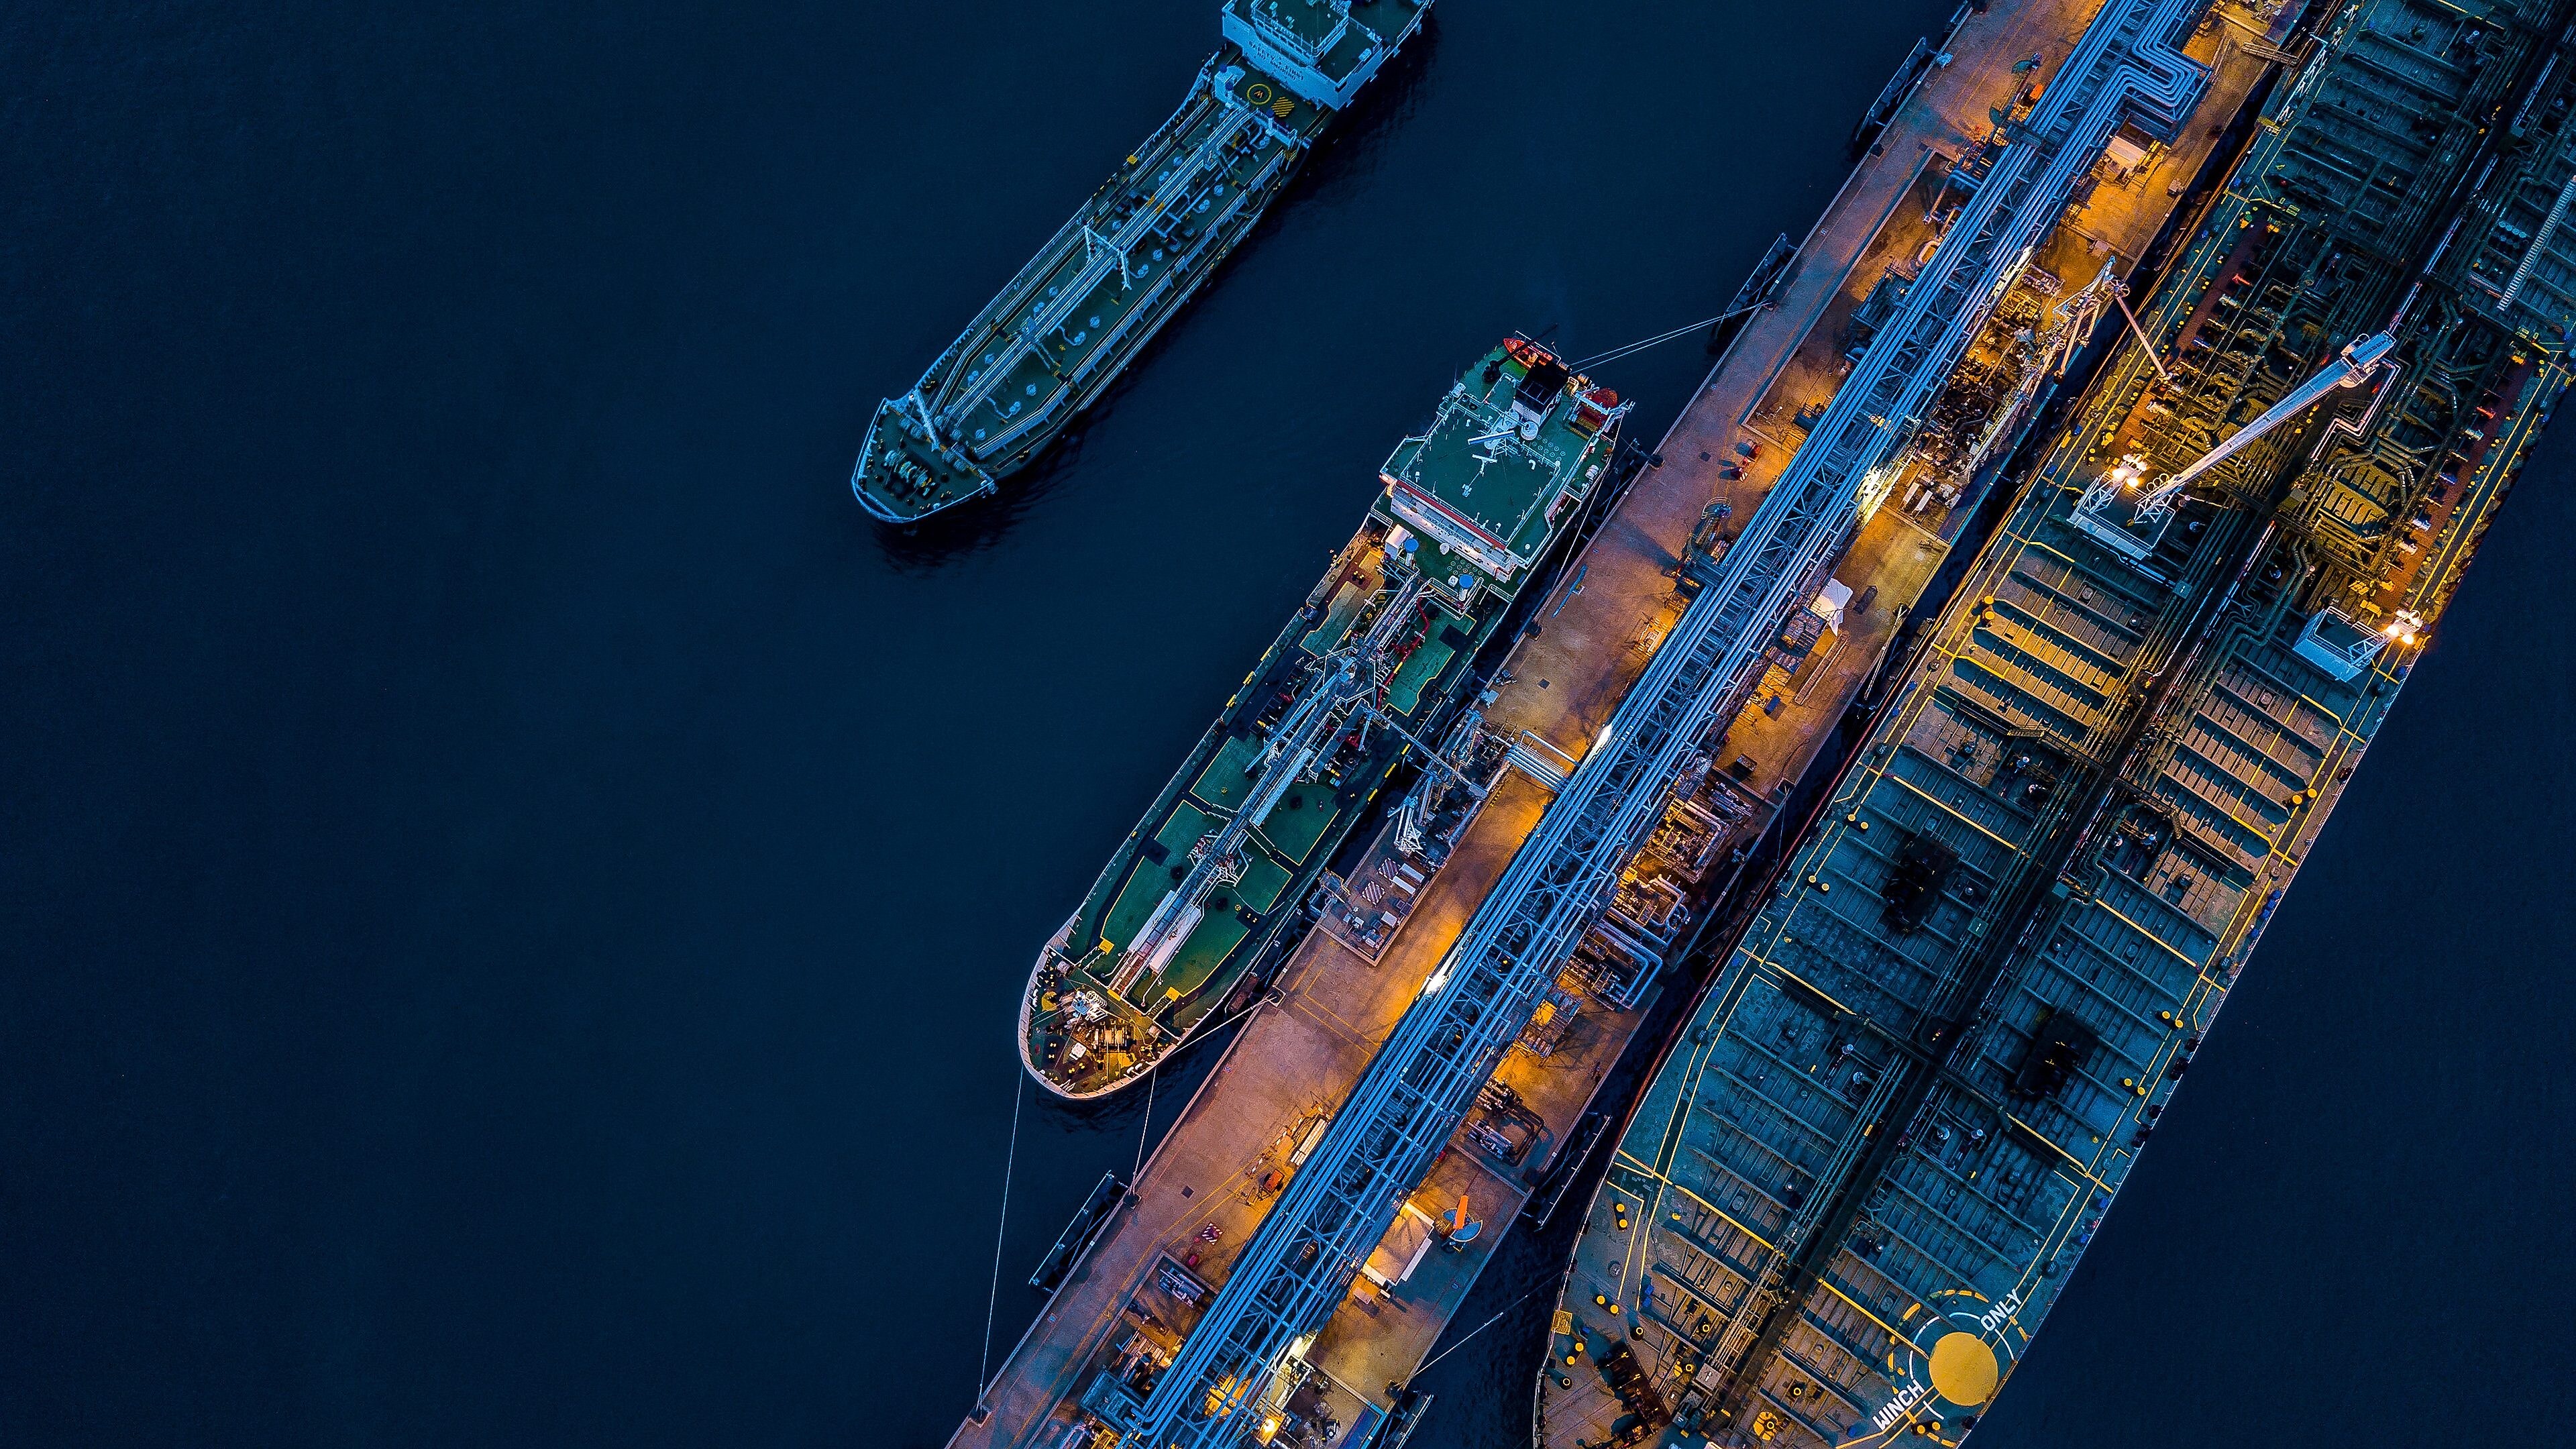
1177	798
1905	1103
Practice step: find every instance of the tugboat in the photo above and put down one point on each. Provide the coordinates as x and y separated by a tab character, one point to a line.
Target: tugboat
1372	668
1087	303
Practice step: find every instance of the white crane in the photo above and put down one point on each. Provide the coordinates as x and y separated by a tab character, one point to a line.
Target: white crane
1343	686
2359	361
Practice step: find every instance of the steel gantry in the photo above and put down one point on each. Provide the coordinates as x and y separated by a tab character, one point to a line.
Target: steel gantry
1250	1343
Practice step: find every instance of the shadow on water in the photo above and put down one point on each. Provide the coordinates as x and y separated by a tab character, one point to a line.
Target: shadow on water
983	525
1355	145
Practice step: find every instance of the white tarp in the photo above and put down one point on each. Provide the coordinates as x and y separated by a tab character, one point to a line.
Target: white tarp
1400	1251
1830	601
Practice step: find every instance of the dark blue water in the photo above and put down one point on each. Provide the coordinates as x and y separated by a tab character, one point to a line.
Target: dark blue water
512	891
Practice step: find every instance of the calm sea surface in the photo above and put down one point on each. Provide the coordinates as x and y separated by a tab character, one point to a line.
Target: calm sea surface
513	892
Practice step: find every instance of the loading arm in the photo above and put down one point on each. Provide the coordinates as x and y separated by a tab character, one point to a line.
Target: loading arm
2360	360
1340	687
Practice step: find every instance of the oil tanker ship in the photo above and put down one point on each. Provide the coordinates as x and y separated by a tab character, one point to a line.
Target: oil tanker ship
1903	1105
1375	666
1090	300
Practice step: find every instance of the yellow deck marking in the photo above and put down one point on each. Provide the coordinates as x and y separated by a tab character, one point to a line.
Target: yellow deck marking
1946	808
2113	912
1861	1308
1811	986
1642	1168
2041	1137
1964	1369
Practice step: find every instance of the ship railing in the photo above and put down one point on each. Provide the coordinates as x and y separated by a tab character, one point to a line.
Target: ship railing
1289	39
1261	117
1417	1089
1339	689
1291	750
1172	191
1024	284
1102	255
1142	313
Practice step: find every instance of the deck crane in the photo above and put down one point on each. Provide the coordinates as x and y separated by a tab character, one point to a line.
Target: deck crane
2359	361
1342	687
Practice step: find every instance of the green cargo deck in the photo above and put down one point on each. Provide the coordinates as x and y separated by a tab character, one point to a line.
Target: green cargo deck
1398	620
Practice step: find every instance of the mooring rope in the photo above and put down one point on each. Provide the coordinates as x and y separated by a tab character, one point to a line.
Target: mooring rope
1145	1128
993	1296
1660	338
1010	1158
1479	1328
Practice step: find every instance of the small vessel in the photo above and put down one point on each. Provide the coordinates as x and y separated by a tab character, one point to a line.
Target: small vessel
1092	297
1374	666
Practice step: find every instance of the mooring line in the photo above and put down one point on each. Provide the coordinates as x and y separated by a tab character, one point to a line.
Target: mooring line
1479	1328
993	1296
1144	1129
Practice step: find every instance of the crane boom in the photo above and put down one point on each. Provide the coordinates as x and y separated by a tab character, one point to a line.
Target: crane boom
2361	358
1339	689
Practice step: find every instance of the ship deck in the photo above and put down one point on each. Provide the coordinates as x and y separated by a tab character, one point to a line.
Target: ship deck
1371	24
1300	1052
1086	304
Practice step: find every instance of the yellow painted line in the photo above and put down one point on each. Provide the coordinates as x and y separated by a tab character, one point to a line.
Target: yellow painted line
2043	1139
1946	808
1861	1308
1809	985
1766	1244
2108	909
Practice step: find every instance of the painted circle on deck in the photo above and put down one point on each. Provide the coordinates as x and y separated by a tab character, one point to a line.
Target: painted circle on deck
1965	1369
1950	1354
